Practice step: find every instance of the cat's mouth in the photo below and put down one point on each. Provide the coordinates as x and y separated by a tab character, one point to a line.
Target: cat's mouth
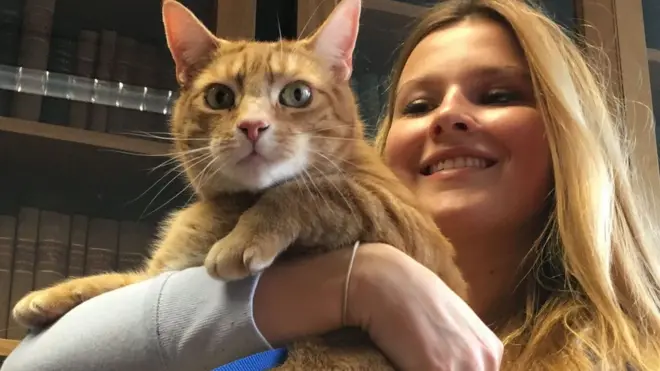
252	158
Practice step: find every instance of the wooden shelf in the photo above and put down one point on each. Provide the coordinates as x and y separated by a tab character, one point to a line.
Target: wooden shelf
7	346
395	7
92	138
79	171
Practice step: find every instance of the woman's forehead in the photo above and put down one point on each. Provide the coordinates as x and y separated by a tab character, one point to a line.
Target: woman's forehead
473	46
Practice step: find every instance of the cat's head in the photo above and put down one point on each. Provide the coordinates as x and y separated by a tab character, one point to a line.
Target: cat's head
252	114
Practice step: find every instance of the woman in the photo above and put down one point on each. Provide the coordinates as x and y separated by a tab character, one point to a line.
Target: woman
588	298
511	144
582	289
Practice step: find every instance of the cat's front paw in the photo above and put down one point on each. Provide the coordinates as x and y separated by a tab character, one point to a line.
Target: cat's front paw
43	307
235	257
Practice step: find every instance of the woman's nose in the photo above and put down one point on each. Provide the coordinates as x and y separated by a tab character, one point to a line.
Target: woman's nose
453	115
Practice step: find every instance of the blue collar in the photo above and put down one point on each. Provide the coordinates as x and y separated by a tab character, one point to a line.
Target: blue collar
257	362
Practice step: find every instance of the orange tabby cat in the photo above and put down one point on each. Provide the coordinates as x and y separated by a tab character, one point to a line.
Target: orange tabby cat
271	140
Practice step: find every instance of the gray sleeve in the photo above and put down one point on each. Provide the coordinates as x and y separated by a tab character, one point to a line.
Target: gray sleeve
177	321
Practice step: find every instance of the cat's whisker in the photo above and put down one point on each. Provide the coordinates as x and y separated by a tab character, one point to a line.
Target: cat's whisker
183	154
209	164
337	158
319	194
280	41
179	169
187	186
153	134
169	161
325	128
168	154
298	181
341	171
218	168
302	31
163	136
176	156
190	199
198	160
165	163
197	139
333	138
137	154
153	185
322	173
203	177
149	136
334	124
168	201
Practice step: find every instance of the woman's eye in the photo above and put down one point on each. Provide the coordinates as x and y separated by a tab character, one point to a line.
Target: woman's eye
297	94
500	97
417	107
220	97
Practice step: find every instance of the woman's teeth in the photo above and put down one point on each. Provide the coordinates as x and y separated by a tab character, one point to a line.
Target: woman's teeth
456	163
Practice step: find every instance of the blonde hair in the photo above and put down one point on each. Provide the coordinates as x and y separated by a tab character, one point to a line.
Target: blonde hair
594	296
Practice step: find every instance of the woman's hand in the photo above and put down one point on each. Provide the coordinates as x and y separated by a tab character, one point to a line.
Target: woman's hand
414	317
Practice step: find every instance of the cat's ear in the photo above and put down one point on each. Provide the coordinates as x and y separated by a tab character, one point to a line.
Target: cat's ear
335	40
189	41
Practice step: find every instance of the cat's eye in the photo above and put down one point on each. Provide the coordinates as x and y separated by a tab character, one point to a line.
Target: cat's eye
296	94
220	97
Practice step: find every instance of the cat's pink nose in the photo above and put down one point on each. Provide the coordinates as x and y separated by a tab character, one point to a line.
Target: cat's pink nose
253	128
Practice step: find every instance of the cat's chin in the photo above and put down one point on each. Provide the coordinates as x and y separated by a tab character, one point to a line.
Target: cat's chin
254	175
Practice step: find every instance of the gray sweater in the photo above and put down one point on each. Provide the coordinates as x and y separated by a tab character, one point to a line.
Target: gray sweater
177	321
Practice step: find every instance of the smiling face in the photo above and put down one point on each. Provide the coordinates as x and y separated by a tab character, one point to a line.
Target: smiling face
466	135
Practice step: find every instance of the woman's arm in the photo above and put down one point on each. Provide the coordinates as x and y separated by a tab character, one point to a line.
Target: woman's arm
179	318
189	321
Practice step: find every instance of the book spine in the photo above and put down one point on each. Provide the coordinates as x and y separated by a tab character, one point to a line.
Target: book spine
79	113
11	12
22	281
52	249
102	245
7	239
62	60
33	53
77	246
103	74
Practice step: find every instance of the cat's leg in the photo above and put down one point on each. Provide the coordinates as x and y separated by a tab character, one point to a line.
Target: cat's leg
43	307
188	236
186	239
292	212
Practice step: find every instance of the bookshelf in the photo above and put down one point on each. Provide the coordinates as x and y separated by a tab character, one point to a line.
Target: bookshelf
74	135
85	95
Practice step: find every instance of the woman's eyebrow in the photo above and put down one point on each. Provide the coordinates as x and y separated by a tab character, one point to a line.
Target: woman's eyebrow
485	72
509	71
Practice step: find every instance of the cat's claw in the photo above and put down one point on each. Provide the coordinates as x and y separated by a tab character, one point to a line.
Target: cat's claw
234	258
43	307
